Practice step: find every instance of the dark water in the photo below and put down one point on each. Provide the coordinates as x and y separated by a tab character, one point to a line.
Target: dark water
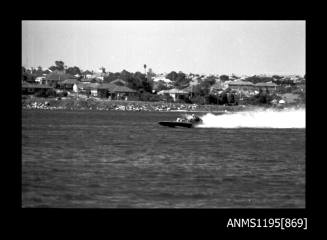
125	159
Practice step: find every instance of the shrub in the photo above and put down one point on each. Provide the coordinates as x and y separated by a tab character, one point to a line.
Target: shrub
260	99
212	99
166	98
47	93
62	94
146	96
198	99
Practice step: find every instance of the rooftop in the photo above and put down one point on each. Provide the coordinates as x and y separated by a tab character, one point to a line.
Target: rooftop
70	81
58	76
174	91
30	85
109	86
266	84
241	83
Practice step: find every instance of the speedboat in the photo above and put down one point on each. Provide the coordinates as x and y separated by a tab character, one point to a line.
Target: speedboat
188	121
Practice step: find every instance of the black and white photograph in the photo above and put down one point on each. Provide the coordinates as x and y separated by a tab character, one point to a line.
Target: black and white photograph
152	114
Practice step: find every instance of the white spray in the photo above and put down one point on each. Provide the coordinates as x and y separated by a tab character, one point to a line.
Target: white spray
287	118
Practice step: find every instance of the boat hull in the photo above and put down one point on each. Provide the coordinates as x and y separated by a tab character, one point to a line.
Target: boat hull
176	124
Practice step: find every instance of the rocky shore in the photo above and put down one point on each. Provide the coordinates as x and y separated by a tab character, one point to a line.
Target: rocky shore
113	105
107	105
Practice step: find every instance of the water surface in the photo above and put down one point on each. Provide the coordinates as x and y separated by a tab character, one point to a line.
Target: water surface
125	159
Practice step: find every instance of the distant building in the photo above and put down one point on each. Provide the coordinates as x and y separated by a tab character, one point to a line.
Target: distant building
111	90
68	84
85	80
176	93
218	87
266	86
40	80
97	76
94	89
241	85
55	77
114	91
84	88
28	88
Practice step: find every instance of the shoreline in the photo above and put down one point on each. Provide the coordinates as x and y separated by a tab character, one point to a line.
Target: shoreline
93	104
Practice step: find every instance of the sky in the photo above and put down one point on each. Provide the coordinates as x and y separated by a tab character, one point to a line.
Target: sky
203	47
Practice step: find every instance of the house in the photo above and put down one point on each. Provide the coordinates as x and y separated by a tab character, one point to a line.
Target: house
104	90
241	85
114	91
94	89
29	89
82	88
97	76
272	87
159	84
176	93
55	77
40	80
68	84
123	92
218	87
85	80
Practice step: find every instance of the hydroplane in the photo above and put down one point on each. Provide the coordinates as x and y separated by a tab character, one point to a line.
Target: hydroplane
187	121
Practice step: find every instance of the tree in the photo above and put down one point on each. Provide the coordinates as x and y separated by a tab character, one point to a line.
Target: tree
73	70
38	72
125	75
27	75
136	80
224	77
144	69
53	68
60	65
179	79
48	93
111	77
224	98
161	86
87	72
257	79
203	88
277	77
212	99
210	80
150	74
24	74
172	76
146	86
232	99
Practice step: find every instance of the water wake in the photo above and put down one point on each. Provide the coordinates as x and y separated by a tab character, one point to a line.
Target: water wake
259	118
